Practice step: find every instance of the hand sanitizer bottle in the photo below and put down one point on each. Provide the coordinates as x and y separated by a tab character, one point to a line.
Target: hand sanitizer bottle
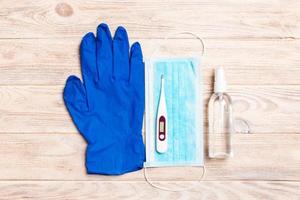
220	120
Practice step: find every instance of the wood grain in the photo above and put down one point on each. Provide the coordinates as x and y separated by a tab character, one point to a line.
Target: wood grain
212	190
258	43
26	109
151	19
59	156
247	62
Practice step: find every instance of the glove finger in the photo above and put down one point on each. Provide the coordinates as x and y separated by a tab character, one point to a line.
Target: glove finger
104	53
88	58
137	69
137	79
121	54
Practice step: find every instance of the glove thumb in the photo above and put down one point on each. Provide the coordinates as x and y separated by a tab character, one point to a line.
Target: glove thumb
76	101
74	95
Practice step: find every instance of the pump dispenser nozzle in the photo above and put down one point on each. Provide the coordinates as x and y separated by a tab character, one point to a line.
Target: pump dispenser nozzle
220	81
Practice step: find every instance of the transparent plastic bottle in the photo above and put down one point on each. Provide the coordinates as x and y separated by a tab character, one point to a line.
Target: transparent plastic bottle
220	119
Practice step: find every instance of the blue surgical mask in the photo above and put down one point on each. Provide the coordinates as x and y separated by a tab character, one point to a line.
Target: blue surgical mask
183	123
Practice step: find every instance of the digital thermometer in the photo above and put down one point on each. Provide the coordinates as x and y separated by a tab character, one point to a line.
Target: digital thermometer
161	121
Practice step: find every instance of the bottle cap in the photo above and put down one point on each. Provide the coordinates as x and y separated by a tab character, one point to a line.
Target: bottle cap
220	81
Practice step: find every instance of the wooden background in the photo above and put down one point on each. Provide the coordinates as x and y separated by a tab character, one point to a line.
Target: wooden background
258	43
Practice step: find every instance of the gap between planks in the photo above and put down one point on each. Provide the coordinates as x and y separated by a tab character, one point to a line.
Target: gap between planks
269	109
61	157
141	190
28	62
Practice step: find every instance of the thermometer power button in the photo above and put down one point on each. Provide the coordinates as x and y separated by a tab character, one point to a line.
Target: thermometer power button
161	136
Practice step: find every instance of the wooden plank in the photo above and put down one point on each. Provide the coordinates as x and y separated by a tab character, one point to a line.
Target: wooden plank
151	19
218	190
27	109
247	62
61	157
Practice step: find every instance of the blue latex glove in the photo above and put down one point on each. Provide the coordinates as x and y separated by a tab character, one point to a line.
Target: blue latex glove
108	106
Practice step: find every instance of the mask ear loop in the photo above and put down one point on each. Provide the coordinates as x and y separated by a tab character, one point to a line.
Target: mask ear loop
169	189
203	167
181	33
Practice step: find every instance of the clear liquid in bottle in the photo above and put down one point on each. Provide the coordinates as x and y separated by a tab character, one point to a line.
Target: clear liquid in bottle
220	123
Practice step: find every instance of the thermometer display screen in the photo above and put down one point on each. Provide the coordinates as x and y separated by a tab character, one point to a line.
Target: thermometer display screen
161	126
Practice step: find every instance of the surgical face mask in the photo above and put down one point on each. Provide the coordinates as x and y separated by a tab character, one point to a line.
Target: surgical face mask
174	121
174	110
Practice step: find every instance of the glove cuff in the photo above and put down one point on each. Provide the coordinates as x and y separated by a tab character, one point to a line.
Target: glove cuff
113	160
